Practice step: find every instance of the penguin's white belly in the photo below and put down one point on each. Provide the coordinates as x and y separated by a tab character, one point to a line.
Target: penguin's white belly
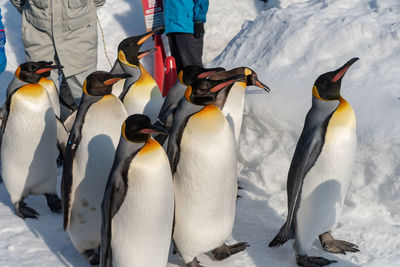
233	108
29	145
205	184
91	167
325	186
141	229
147	101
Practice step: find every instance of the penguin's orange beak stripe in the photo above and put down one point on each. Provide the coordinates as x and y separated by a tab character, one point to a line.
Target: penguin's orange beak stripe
143	55
43	70
147	131
141	41
340	74
111	81
221	86
205	74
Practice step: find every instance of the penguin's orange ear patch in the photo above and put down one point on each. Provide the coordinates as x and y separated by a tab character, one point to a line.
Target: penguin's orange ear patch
111	81
205	74
221	85
340	74
40	71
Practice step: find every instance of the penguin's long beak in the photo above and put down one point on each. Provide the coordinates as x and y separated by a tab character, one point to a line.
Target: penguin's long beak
261	85
145	53
48	68
116	77
153	129
339	73
224	83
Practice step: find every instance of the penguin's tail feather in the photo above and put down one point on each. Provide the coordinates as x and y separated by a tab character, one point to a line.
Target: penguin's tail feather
285	233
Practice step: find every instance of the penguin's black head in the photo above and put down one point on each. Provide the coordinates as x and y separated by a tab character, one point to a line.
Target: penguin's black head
192	72
99	83
252	79
32	72
128	49
205	91
138	127
327	86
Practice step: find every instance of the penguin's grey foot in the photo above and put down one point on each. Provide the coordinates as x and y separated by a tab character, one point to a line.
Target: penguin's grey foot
92	256
332	245
226	251
54	203
194	263
304	260
23	211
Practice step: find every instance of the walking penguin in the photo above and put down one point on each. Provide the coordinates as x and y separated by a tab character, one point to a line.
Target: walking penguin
320	172
88	160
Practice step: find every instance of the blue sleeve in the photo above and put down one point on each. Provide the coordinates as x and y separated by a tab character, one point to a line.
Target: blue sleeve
200	10
2	33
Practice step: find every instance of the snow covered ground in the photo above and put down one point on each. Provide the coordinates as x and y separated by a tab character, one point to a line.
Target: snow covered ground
289	44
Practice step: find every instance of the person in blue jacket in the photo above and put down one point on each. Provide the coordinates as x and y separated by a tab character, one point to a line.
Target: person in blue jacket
3	58
184	25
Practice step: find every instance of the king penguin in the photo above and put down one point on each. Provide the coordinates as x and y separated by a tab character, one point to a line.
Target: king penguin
185	77
88	160
202	154
140	93
138	204
37	72
320	172
234	104
29	140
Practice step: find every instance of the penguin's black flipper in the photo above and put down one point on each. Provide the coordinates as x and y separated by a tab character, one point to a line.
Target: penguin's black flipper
72	145
307	151
184	111
66	181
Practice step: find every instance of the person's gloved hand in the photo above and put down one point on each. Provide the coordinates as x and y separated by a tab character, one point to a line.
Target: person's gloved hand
198	29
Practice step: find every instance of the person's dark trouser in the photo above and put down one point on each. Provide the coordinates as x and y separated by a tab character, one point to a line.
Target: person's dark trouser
186	49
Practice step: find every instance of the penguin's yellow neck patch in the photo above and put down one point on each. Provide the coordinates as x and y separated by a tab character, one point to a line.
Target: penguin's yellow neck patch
144	87
145	78
343	116
31	90
45	82
122	59
207	111
150	146
241	85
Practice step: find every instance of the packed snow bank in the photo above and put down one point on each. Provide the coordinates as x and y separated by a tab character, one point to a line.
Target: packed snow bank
289	48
